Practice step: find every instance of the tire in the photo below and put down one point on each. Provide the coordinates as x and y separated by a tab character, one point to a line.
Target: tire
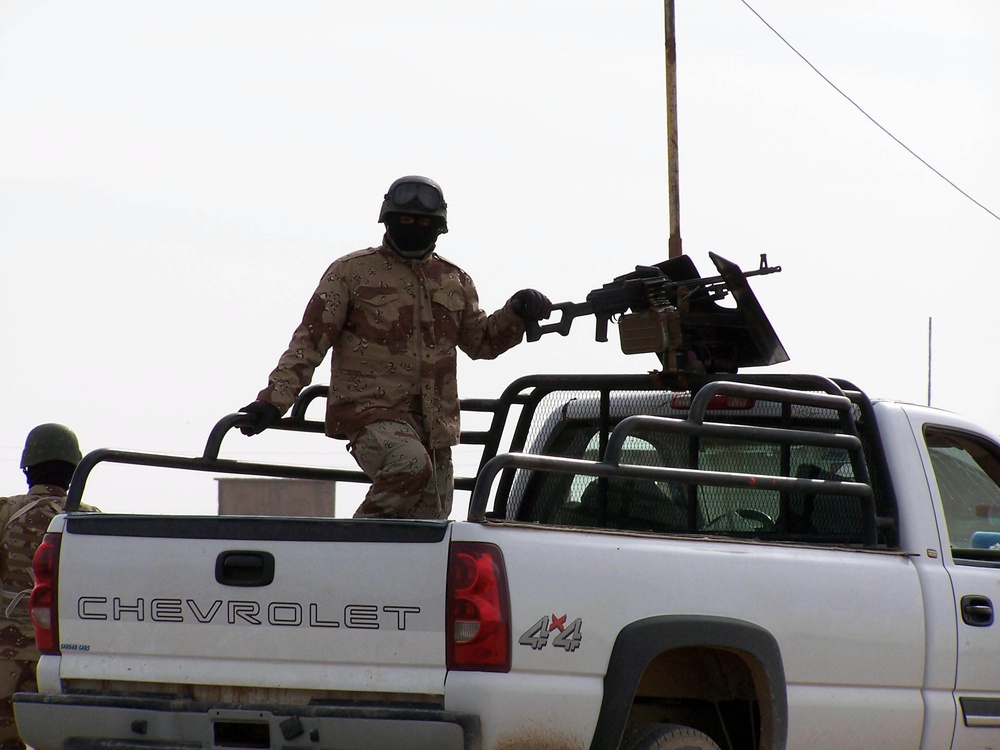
666	737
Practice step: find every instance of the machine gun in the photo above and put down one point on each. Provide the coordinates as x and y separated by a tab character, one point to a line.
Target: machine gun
669	310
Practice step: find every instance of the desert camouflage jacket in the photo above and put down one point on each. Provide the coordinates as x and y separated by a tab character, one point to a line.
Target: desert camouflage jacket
23	521
393	325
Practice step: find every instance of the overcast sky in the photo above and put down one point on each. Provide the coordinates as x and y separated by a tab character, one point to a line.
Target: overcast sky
175	177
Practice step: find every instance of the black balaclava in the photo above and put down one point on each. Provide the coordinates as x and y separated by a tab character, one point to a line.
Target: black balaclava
411	241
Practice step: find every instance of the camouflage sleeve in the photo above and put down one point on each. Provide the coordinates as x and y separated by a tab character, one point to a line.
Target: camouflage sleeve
321	323
483	336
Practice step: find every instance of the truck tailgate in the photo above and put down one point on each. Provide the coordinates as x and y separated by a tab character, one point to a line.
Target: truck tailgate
280	603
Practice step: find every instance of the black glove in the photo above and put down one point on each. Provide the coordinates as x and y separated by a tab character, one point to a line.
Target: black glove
263	414
531	304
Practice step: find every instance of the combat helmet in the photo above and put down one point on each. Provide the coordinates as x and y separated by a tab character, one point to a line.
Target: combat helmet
50	442
416	195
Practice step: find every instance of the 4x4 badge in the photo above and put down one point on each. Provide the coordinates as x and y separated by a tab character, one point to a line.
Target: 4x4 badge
568	637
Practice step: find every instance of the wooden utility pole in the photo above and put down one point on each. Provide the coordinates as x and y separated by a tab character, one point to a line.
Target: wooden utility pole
673	172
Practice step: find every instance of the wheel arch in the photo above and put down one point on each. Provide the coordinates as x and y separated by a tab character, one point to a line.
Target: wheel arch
641	642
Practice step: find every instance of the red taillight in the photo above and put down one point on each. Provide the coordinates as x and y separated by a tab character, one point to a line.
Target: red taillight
478	619
42	604
718	402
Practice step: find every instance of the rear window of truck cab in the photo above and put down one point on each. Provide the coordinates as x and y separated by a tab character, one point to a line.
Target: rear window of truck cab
678	508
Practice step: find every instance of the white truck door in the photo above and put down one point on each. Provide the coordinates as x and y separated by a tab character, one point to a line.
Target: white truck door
965	473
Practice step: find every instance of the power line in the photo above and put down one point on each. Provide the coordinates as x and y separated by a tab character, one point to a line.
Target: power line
862	111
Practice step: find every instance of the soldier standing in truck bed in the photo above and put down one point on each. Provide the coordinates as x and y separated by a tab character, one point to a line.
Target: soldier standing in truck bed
393	316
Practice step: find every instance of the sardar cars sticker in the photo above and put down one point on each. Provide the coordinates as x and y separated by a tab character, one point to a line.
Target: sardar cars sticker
567	637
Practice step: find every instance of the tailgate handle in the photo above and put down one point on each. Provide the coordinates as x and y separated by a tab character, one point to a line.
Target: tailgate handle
244	568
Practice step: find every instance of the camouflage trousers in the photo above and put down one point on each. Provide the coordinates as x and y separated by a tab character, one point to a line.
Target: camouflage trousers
18	659
409	480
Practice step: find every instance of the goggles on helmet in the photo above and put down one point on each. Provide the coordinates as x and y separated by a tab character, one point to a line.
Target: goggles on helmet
427	196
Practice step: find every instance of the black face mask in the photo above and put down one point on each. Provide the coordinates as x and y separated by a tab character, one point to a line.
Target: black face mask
411	240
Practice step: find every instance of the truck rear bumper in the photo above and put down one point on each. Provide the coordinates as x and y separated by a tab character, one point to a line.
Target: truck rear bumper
86	722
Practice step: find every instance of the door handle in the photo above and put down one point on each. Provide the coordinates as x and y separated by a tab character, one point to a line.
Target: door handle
977	611
244	568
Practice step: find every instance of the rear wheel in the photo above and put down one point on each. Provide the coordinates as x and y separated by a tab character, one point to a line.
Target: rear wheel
666	737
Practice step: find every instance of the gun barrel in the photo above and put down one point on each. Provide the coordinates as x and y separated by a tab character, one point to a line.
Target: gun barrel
712	281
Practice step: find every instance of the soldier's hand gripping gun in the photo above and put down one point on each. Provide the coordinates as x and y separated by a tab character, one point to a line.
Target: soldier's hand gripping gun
669	310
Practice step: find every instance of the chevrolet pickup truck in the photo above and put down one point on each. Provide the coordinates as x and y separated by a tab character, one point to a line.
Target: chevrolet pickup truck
667	560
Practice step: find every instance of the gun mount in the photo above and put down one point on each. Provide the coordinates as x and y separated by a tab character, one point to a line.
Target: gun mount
668	309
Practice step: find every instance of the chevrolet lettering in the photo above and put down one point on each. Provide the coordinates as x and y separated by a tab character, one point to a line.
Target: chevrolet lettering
246	612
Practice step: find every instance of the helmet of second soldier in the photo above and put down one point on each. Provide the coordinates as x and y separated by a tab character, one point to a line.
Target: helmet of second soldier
416	195
50	442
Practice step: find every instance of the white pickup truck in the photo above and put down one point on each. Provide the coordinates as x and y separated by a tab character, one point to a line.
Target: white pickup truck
748	562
